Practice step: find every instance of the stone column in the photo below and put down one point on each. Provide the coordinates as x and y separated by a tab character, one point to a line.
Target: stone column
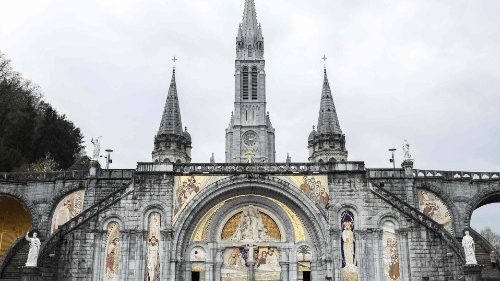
284	270
30	273
472	272
251	270
218	265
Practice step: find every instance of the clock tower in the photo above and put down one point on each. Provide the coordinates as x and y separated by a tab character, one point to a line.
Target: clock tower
250	135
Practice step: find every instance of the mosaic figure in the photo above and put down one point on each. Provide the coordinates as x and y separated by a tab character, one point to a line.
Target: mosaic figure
316	188
233	267
250	227
348	247
34	249
391	252
267	266
112	254
68	208
153	248
433	207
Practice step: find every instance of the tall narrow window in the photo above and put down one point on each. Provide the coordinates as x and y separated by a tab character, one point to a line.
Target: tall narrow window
254	83
244	83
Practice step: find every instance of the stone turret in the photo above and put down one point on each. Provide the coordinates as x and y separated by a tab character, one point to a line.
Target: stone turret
171	143
327	143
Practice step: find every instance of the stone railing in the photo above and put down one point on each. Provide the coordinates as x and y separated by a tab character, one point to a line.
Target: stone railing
18	244
243	168
46	176
116	174
456	175
418	216
53	240
386	173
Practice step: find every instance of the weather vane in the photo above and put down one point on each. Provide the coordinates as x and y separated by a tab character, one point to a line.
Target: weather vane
324	60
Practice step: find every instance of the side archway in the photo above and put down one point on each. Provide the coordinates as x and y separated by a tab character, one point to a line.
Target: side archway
15	222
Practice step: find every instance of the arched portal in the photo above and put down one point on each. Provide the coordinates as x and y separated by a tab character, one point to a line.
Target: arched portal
249	228
15	221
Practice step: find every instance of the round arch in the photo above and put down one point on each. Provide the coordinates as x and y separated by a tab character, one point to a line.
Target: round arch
483	197
312	217
447	200
15	221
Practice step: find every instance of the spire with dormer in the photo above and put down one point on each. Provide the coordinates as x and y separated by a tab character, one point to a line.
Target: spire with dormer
171	122
327	143
249	42
328	122
172	144
250	130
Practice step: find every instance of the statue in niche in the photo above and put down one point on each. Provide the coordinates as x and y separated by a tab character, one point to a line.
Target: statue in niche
348	248
34	249
469	249
250	227
153	264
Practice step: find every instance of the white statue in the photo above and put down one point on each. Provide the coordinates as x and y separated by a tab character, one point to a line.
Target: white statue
406	150
34	249
469	249
97	148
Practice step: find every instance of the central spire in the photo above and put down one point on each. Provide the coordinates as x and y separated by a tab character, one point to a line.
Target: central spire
249	42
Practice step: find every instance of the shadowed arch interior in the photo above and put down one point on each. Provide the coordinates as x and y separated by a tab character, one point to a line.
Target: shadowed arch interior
15	221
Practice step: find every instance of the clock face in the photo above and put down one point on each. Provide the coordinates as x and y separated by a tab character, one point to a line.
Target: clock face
250	138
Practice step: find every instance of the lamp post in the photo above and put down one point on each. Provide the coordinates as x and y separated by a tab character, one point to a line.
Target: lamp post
392	158
108	157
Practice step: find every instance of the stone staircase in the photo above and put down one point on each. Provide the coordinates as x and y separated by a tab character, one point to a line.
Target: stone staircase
10	270
418	216
483	250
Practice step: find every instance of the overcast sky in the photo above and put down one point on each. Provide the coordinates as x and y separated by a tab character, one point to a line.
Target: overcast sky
427	71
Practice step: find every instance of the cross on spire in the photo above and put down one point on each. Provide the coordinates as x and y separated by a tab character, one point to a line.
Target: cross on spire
324	58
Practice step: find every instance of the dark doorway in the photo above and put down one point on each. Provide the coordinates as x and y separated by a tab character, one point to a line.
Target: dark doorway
306	275
195	276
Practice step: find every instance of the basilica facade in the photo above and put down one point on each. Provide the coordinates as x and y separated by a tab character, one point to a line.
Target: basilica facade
249	218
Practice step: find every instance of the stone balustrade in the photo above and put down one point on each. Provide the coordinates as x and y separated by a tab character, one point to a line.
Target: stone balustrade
456	175
258	168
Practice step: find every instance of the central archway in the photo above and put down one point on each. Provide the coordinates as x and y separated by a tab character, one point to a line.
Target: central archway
271	196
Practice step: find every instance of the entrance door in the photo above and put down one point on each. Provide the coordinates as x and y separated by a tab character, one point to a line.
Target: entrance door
306	275
195	276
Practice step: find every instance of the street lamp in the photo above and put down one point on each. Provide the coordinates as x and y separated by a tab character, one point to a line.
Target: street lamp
392	158
108	157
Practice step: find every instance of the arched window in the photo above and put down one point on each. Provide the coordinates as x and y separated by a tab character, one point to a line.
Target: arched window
244	83
254	83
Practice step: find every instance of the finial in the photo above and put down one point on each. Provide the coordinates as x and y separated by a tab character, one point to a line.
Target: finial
186	128
314	127
174	59
324	58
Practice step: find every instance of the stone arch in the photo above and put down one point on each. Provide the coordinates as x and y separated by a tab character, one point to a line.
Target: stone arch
54	204
233	204
146	210
63	192
195	245
248	185
483	197
15	221
448	201
28	205
388	216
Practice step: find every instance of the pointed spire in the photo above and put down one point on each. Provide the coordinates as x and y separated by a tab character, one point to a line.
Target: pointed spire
171	120
249	42
249	25
328	121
